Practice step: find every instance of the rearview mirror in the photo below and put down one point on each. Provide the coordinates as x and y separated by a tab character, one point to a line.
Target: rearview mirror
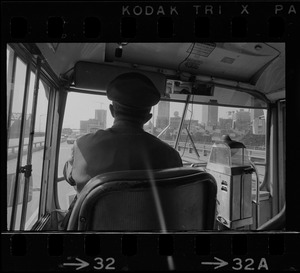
196	88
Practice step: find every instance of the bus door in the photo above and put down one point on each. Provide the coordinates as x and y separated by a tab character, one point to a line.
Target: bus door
27	104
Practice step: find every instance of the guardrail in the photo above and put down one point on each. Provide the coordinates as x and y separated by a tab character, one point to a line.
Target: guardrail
12	151
15	149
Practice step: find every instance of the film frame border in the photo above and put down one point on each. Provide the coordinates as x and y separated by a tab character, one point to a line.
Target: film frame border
25	24
147	21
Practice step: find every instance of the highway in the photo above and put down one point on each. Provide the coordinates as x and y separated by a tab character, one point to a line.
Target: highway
65	191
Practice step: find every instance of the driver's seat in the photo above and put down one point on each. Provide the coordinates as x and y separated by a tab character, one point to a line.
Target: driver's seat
177	199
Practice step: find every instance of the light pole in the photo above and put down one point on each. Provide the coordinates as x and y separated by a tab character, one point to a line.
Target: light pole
40	121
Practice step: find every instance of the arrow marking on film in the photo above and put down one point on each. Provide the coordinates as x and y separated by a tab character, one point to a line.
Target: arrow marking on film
220	263
82	264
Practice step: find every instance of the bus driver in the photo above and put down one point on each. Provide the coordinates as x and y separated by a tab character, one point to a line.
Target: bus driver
124	146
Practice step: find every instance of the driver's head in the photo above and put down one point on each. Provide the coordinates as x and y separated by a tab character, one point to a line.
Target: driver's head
132	95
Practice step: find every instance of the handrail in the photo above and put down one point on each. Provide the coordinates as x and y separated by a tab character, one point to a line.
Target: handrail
257	194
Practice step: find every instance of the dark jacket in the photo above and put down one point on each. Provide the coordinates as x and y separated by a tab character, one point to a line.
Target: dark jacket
124	146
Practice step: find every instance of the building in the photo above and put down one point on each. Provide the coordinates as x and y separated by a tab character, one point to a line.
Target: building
87	125
163	115
204	114
175	122
92	125
255	113
192	125
225	123
259	125
100	115
210	115
258	121
241	120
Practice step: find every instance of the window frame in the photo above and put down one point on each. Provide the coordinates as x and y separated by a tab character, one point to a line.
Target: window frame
20	51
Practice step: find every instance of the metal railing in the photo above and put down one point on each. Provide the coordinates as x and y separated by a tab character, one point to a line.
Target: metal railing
12	151
15	149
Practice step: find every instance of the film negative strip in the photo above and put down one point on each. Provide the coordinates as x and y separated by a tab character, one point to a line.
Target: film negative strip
162	22
205	251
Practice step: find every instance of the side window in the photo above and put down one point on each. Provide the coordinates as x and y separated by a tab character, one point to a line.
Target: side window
15	90
84	114
20	88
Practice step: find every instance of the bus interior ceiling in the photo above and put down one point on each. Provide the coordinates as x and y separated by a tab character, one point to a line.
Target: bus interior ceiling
255	66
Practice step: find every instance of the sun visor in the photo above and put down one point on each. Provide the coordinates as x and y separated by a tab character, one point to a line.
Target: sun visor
95	76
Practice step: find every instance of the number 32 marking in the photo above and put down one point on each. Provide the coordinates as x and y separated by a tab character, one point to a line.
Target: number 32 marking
240	265
100	263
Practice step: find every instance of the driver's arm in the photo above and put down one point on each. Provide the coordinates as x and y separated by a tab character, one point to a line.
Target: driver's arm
75	169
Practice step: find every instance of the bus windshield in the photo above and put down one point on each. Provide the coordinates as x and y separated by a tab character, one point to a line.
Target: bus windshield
202	125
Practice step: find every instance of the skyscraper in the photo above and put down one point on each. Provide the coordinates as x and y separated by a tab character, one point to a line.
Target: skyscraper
163	115
204	114
100	115
258	120
92	125
241	120
210	115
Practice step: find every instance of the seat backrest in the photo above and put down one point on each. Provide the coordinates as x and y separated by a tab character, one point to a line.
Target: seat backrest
177	199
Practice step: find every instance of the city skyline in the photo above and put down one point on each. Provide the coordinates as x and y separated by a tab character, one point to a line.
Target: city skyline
80	107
